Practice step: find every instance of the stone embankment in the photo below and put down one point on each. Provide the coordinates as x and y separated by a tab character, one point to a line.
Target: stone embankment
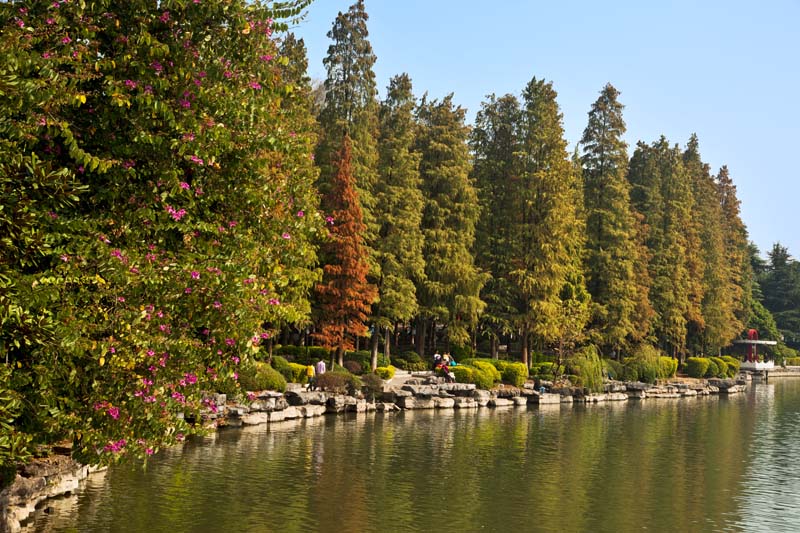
61	475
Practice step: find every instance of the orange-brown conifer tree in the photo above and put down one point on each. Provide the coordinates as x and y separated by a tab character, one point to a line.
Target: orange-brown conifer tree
344	296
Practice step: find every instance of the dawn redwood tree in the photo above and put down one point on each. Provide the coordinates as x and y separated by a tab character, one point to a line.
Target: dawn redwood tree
161	161
344	295
351	109
611	249
497	171
661	193
449	294
552	301
399	246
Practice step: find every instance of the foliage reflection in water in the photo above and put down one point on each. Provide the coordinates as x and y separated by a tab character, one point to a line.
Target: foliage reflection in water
706	464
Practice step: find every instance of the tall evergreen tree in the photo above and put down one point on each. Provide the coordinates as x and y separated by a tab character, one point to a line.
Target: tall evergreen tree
344	295
549	233
736	246
496	172
781	288
351	109
611	247
399	245
720	324
661	192
450	292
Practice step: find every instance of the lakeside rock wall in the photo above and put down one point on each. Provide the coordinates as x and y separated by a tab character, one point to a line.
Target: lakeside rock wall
60	475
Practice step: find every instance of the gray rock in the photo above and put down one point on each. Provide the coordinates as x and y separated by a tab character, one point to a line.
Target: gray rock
464	403
336	404
500	402
277	416
255	419
506	392
480	394
311	410
306	397
548	398
422	390
386	407
290	413
443	403
636	394
266	404
520	400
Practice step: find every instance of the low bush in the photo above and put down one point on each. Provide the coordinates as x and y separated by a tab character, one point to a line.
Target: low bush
587	365
488	368
613	369
339	382
261	376
697	367
644	369
409	361
385	372
733	365
354	367
667	366
280	364
299	373
373	385
461	352
463	373
712	370
792	361
515	374
315	353
722	367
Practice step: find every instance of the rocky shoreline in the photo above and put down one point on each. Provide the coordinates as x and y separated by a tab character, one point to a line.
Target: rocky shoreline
60	475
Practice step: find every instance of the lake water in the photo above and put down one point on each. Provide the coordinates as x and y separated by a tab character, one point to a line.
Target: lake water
705	464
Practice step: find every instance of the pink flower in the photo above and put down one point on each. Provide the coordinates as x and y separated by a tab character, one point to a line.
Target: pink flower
195	274
134	270
113	412
232	224
149	451
196	160
66	39
164	17
20	23
255	85
150	353
187	290
65	258
235	359
217	305
191	379
186	104
286	236
274	301
265	57
185	186
188	136
158	67
198	191
47	55
230	342
329	219
300	214
130	84
120	298
112	350
50	21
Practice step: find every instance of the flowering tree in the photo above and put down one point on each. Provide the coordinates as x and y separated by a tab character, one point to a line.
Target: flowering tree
160	154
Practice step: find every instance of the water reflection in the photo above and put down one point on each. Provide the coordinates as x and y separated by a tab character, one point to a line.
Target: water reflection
705	464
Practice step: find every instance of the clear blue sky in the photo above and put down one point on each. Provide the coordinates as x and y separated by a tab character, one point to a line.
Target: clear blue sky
726	70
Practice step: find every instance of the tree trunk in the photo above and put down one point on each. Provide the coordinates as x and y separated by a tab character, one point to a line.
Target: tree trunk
422	333
494	347
387	343
373	364
525	345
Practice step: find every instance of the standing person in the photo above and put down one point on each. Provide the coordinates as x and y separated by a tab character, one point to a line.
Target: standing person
437	359
310	376
320	367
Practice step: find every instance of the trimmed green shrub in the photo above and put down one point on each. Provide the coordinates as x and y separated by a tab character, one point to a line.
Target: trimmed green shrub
515	374
385	372
712	370
645	369
282	365
733	365
339	382
488	368
722	367
299	373
792	361
315	353
667	366
409	361
261	376
290	351
697	367
463	373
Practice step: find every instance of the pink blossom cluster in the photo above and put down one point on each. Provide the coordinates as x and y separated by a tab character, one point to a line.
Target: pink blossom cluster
115	446
176	214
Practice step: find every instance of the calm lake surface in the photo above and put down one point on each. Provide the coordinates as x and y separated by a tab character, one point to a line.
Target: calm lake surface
705	464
